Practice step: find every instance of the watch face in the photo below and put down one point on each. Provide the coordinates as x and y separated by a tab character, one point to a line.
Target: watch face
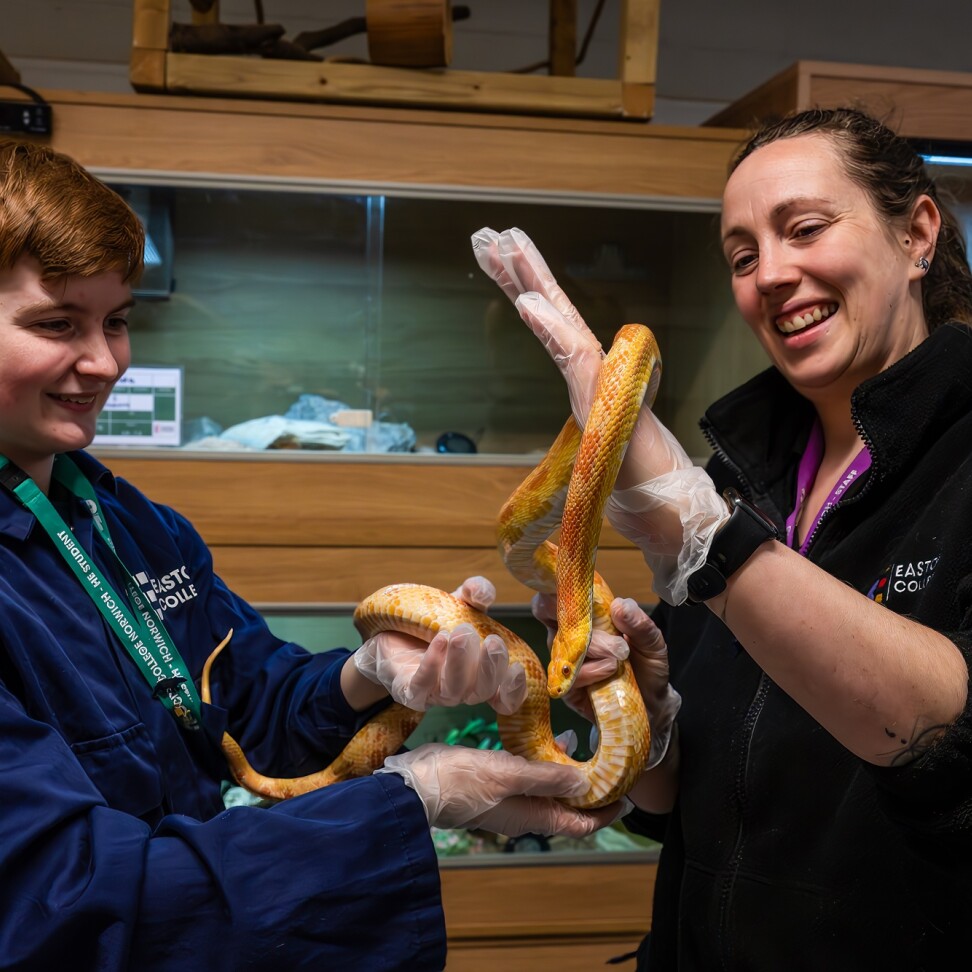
737	501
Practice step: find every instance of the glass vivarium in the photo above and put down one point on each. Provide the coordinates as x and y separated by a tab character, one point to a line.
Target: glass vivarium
304	318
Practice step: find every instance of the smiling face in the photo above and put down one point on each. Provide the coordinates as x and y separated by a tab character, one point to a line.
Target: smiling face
828	287
63	345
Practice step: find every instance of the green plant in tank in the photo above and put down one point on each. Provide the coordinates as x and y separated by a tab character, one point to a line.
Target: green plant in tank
477	732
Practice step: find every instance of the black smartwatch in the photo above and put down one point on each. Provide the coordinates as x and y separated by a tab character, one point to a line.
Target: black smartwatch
734	543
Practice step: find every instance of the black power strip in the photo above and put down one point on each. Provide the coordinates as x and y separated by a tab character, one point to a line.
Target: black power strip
32	117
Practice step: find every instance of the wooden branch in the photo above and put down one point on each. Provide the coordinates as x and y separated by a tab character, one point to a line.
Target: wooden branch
223	38
309	40
563	37
285	50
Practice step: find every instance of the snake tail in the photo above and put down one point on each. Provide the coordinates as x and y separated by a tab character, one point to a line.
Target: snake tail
361	756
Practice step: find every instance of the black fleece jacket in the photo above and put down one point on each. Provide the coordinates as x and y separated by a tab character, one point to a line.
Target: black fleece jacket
785	851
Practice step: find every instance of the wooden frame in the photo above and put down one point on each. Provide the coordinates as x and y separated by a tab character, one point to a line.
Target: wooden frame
154	68
917	103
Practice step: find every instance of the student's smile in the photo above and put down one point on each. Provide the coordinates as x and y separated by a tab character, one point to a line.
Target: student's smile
63	345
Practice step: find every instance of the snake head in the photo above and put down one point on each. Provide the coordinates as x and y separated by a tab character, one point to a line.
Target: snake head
566	656
560	677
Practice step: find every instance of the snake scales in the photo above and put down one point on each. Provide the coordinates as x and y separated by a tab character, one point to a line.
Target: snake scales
568	489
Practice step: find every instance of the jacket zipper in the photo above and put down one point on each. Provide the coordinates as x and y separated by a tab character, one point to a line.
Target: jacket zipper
707	432
755	708
762	688
753	713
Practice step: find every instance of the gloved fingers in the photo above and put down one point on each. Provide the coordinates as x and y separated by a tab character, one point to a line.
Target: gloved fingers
465	670
643	636
477	591
525	265
457	784
512	692
536	815
493	676
576	353
594	671
604	654
527	778
485	244
389	657
606	645
415	688
544	609
649	660
566	742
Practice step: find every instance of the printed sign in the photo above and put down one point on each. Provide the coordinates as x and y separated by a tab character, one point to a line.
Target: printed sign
145	409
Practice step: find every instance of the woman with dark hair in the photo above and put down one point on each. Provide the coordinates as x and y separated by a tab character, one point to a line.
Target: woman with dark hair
815	803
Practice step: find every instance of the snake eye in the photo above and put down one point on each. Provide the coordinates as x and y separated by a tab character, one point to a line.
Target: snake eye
565	671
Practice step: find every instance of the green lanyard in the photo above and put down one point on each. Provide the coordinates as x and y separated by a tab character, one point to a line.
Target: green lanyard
136	622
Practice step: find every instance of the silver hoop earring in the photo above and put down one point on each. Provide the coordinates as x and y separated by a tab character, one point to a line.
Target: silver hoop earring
923	264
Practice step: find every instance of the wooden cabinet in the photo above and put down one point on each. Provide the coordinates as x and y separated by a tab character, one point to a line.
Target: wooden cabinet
329	532
568	917
918	103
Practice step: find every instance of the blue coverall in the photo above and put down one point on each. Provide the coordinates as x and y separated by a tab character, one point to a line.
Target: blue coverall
115	849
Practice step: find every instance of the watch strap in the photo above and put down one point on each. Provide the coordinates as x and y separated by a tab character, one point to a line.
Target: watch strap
734	543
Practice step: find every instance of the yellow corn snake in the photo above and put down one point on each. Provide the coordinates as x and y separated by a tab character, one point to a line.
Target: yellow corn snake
569	488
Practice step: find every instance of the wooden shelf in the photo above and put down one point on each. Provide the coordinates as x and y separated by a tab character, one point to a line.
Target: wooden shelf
564	916
916	103
333	531
339	144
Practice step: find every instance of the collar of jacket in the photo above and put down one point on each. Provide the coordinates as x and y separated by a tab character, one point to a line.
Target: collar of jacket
762	427
17	521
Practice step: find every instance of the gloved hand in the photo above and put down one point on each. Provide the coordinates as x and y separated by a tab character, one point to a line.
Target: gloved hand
455	667
497	791
662	502
642	643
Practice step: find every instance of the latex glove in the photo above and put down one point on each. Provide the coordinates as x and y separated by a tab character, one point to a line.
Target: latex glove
643	644
662	502
454	667
477	591
497	791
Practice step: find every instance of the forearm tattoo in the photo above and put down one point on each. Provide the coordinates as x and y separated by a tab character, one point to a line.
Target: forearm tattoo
921	740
